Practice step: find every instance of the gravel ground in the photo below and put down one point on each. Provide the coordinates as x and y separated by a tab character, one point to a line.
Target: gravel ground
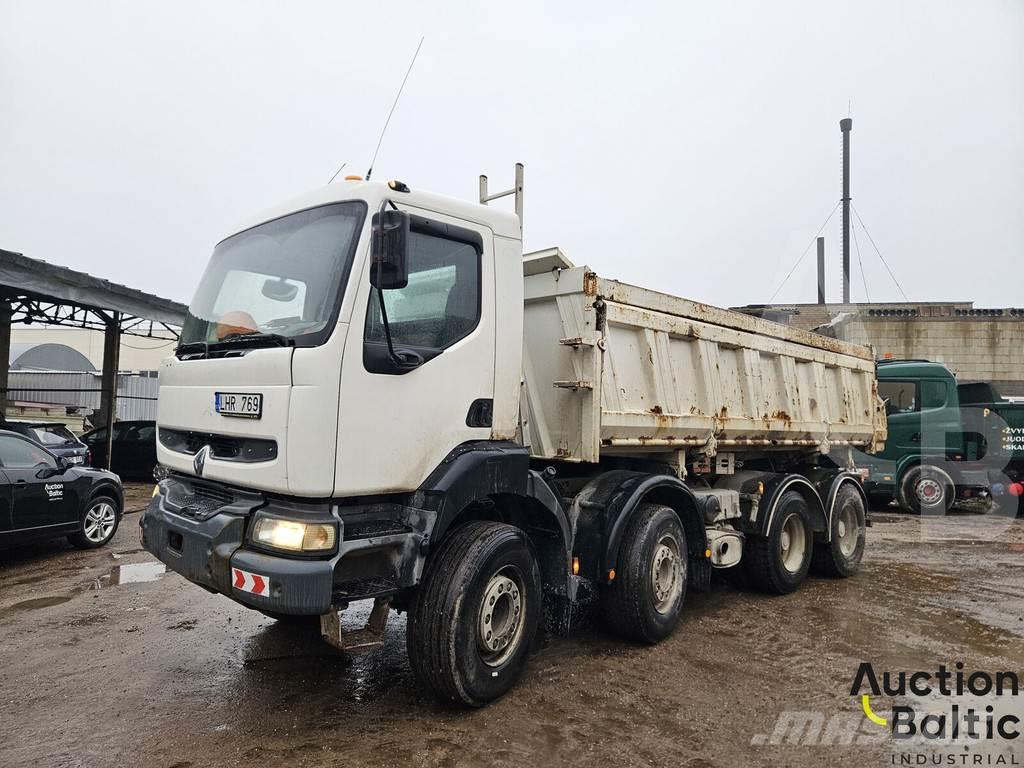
108	665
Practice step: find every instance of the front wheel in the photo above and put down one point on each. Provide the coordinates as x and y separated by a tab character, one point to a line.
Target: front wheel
778	563
926	490
475	614
99	523
645	602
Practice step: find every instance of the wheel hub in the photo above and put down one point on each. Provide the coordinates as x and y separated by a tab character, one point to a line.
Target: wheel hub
848	531
928	491
500	624
666	574
793	543
99	522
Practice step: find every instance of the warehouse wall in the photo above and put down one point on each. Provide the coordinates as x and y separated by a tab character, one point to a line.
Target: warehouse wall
974	348
976	344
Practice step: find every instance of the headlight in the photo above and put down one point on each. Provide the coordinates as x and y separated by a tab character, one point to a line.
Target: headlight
294	536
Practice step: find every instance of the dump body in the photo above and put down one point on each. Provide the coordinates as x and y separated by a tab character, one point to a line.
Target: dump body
612	369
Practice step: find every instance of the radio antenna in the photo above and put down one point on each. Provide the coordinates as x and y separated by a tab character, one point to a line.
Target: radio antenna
395	104
340	168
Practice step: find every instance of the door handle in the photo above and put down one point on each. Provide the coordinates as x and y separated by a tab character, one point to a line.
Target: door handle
915	438
22	481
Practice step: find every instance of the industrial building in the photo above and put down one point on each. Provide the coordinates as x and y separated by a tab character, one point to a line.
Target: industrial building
976	344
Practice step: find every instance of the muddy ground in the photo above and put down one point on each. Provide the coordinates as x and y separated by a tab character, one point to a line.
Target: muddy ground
99	670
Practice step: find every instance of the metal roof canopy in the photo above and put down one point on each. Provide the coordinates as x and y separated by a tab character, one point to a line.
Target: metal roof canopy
47	293
33	291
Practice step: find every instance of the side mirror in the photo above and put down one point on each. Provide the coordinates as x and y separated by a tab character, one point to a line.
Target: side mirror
389	265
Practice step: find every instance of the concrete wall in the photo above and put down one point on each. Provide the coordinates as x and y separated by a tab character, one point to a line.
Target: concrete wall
976	344
974	348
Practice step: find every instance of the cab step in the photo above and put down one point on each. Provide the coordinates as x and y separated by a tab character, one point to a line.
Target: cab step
356	640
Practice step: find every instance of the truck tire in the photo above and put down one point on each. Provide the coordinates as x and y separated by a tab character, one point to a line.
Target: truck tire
475	614
926	489
842	555
778	563
645	602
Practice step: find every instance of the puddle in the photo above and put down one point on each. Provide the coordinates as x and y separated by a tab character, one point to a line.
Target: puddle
36	602
136	573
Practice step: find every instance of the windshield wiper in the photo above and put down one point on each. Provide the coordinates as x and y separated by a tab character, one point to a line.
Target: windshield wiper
254	340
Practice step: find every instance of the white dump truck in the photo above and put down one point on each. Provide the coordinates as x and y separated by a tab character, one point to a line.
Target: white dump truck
376	396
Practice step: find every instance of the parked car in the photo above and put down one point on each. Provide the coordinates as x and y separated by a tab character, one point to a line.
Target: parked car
134	448
42	496
56	438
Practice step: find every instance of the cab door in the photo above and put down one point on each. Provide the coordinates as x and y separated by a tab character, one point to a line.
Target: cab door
39	498
398	422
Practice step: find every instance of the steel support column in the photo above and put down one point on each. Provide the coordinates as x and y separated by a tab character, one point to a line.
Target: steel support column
5	353
108	385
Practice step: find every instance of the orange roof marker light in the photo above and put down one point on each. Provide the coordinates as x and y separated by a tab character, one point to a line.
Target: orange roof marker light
353	178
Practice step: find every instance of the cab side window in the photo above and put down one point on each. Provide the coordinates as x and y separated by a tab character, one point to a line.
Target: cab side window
441	302
21	454
933	394
899	396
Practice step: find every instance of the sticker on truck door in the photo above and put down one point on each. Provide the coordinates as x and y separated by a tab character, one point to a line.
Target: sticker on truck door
252	583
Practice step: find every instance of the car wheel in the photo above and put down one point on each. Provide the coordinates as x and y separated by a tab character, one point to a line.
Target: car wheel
98	524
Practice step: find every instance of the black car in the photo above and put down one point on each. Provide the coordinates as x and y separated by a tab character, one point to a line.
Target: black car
56	438
134	448
44	497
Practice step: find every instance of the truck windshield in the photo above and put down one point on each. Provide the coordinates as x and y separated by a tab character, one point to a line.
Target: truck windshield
277	283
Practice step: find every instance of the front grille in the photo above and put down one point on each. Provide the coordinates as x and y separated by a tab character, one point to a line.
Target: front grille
373	528
198	502
223	447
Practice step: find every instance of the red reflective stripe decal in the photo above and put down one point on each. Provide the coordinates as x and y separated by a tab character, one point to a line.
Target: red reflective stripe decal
253	583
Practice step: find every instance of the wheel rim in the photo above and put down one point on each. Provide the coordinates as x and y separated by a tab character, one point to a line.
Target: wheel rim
502	610
928	491
793	543
666	573
849	531
99	522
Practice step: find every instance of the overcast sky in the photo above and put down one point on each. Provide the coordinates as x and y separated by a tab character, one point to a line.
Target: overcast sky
689	147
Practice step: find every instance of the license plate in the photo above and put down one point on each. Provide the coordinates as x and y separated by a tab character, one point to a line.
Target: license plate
76	460
244	404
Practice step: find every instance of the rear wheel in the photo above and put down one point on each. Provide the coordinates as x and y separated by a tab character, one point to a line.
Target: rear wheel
841	555
645	601
475	614
99	523
778	563
926	490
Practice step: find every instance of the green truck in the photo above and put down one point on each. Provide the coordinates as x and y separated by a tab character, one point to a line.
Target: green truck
948	443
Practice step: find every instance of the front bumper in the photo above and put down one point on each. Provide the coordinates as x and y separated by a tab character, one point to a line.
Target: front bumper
205	540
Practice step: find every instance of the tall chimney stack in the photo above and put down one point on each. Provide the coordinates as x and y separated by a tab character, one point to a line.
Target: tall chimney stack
821	270
846	125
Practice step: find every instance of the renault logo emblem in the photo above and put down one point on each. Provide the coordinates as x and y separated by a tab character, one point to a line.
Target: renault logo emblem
200	460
